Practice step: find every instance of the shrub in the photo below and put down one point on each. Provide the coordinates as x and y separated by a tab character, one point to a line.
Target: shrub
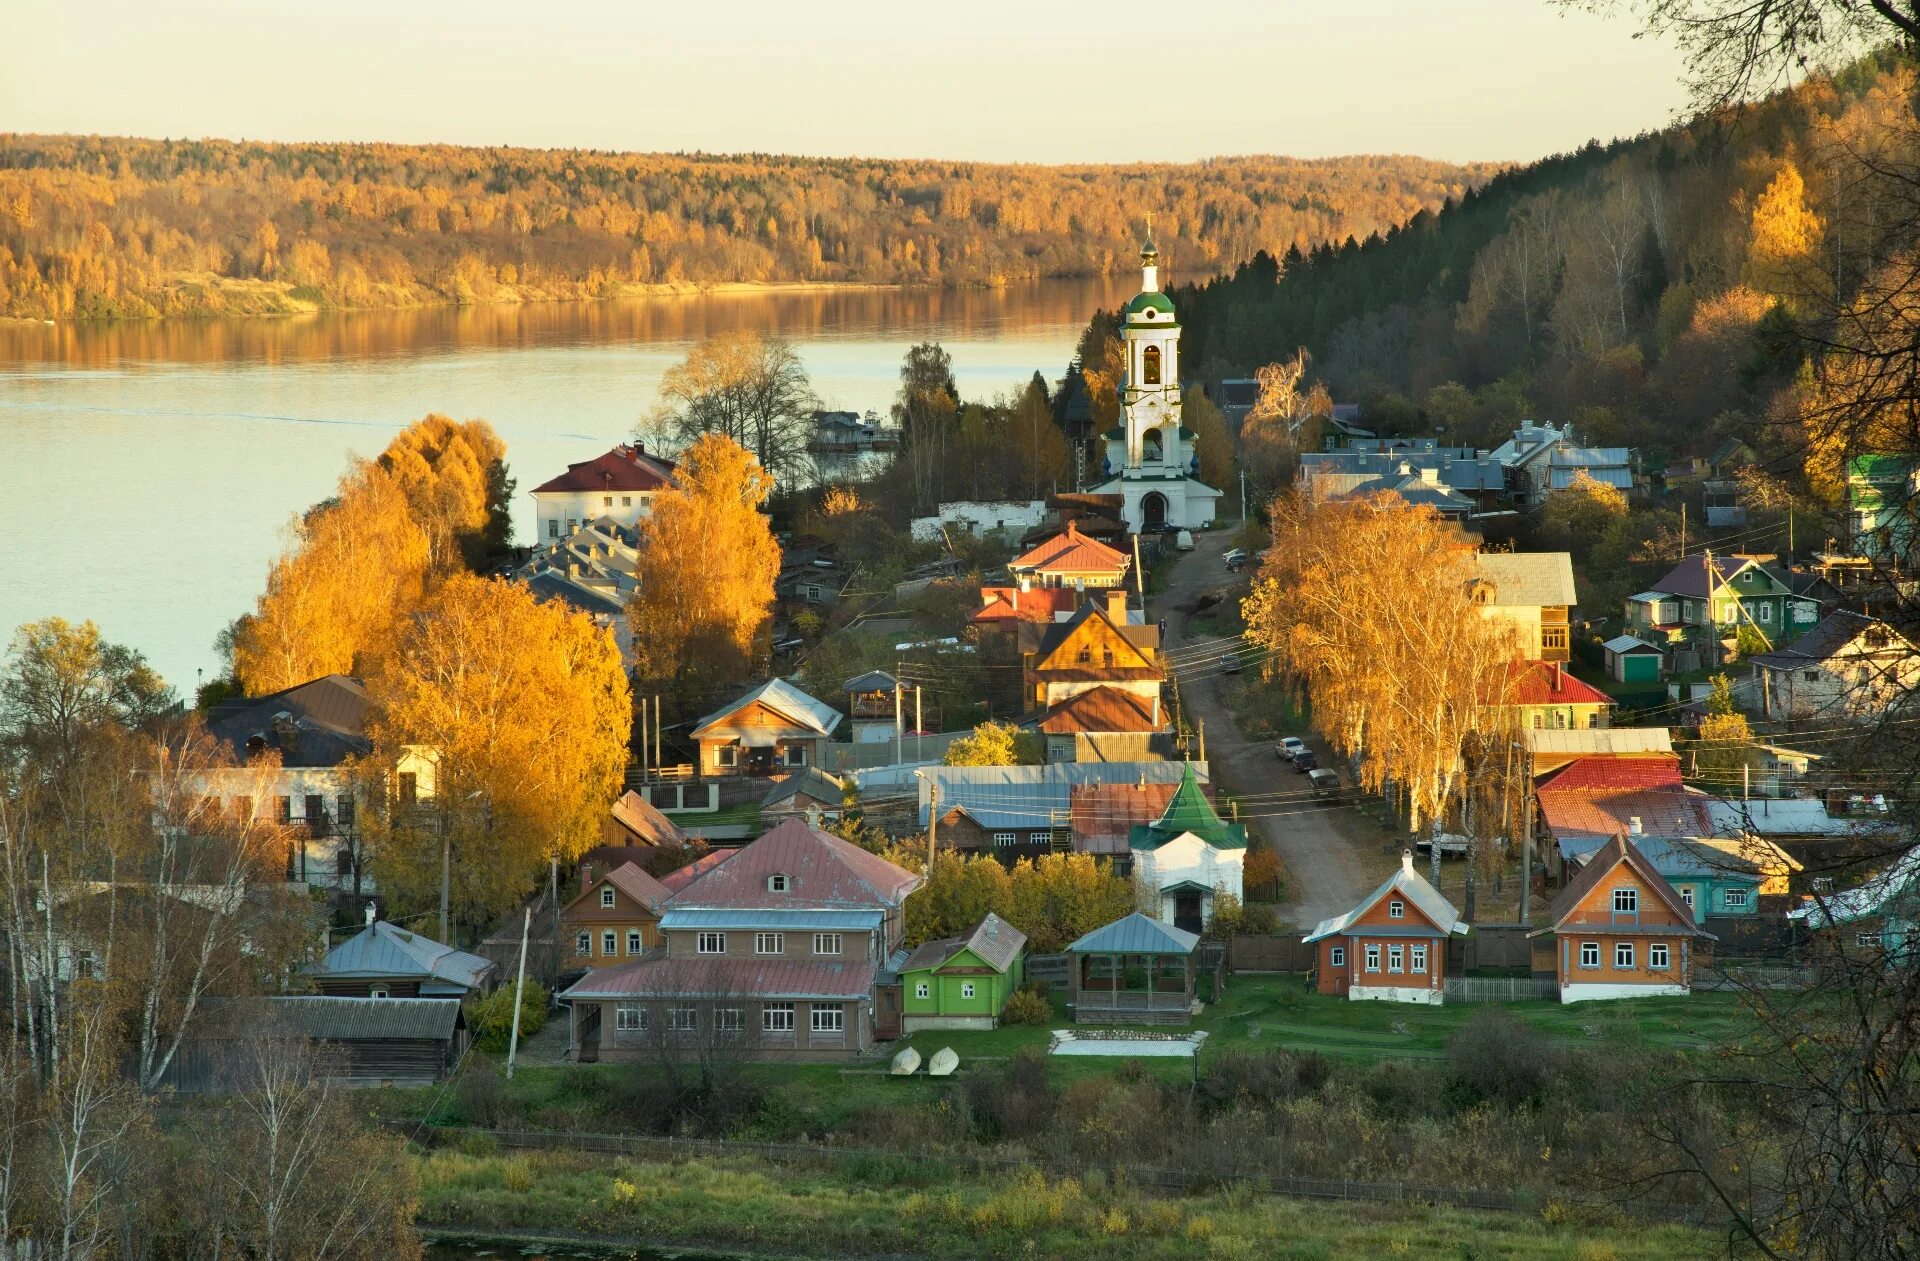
481	1095
1027	1005
1231	917
1013	1101
491	1018
1495	1058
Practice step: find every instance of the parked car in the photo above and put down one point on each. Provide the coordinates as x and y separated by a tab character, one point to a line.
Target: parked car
1288	746
1325	784
1235	558
1229	664
1184	540
1159	527
1304	760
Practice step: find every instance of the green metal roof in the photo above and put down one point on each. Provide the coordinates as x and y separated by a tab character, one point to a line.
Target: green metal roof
1189	811
1150	300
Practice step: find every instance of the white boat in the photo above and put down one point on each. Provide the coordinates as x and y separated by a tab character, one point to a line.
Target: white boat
943	1063
906	1062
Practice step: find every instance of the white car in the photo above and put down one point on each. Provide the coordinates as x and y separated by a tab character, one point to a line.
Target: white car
1235	558
1290	745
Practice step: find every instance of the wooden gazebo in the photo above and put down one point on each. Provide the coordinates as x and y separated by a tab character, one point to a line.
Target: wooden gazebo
1135	970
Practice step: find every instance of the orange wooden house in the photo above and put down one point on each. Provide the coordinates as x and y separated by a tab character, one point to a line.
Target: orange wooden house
1620	931
1096	647
615	919
1392	946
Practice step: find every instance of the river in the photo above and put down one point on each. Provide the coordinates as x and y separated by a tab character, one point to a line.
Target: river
148	469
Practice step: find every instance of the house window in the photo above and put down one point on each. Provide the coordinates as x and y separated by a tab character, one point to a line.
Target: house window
1396	959
966	989
711	944
1553	638
343	809
626	501
583	944
776	884
1867	941
1736	897
606	897
630	1018
343	862
1337	957
769	943
286	810
829	1020
1626	901
606	501
373	991
572	525
607	940
683	1018
1373	958
1766	613
921	990
1658	957
1686	895
1084	657
726	755
553	527
634	942
1396	909
1811	676
826	943
794	755
1418	963
776	1017
730	1019
1589	954
1623	954
409	788
1006	838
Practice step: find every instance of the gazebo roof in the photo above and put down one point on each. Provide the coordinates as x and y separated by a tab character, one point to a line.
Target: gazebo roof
1136	935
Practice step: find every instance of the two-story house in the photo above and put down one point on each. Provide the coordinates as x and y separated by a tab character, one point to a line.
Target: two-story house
1848	668
1533	593
620	485
1712	597
615	918
1883	497
772	953
775	727
1619	931
1545	696
1070	559
1096	647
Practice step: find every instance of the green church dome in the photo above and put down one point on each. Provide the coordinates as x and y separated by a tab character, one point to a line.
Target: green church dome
1150	301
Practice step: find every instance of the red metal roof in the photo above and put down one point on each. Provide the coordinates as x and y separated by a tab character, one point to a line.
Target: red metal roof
1071	552
1036	604
1648	771
684	876
1543	683
822	871
1604	812
623	468
1102	816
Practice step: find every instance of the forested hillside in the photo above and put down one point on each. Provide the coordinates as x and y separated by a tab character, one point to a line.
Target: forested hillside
93	227
1658	292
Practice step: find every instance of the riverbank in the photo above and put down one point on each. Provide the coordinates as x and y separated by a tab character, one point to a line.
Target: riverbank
911	1210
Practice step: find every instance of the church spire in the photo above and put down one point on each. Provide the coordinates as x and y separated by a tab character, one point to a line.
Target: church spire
1149	261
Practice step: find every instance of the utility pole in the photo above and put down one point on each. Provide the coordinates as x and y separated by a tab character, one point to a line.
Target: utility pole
553	895
1203	739
656	727
1139	577
446	873
1789	533
919	723
933	825
1683	530
899	740
1243	496
519	991
645	762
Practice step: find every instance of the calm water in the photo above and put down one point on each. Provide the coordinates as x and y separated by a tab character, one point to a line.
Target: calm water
147	470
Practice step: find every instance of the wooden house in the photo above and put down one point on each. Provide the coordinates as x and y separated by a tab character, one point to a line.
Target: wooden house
1004	608
363	1042
809	792
1879	918
615	918
1094	648
963	982
635	821
1708	598
773	952
1619	930
1071	559
1545	695
1392	945
386	961
774	727
1848	668
1106	724
1531	592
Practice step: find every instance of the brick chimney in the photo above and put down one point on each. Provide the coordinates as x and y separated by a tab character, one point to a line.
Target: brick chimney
1117	605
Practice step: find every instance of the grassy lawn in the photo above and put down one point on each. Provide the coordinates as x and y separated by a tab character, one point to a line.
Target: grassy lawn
747	812
906	1208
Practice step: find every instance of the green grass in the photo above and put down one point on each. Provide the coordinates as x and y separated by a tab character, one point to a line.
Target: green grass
909	1209
747	812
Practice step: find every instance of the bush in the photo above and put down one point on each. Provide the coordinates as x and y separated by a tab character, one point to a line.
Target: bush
1027	1005
491	1018
1014	1101
481	1095
1498	1059
1232	917
1262	1078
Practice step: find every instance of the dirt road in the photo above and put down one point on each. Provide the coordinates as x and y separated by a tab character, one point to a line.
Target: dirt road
1326	870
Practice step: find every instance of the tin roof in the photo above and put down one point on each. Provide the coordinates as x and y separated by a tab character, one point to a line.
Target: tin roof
995	941
1136	935
1102	709
1605	812
822	872
1527	578
642	818
1070	552
1616	740
796	921
382	949
657	976
321	722
1627	643
1543	683
1188	811
332	1018
784	699
625	467
1409	884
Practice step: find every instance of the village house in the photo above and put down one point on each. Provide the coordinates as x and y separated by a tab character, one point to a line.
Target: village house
1104	724
1593	799
1531	592
1392	945
963	982
1002	609
634	821
620	485
368	1042
1712	880
1096	647
773	952
615	918
1546	695
1455	481
1848	668
384	960
774	727
1708	597
873	703
1540	459
810	792
1882	494
1799	825
1880	918
1187	858
1549	749
1619	931
1015	812
1071	559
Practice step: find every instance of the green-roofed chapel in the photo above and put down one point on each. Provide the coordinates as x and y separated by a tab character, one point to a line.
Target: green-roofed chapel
1188	856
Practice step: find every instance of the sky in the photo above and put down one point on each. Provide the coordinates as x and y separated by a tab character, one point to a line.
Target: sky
987	80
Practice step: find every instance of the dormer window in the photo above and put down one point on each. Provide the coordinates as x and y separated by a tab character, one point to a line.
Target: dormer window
776	884
1396	909
606	897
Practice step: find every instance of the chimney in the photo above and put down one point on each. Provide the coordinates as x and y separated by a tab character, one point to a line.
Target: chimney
639	448
1117	604
1556	676
1406	861
586	875
1156	711
1633	826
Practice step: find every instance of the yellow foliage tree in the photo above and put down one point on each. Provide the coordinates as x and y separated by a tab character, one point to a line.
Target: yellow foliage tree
523	712
454	476
1577	515
1782	257
705	571
1212	443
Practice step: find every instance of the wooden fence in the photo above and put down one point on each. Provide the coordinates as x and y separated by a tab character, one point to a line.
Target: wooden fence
1500	989
1278	953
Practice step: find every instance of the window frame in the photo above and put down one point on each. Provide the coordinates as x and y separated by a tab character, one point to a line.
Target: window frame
729	1020
968	989
1003	839
1396	958
609	943
636	942
683	1018
1626	900
827	1018
1625	956
770	1018
769	944
1337	957
1396	909
836	940
778	883
1686	896
607	897
726	755
583	943
1734	898
922	990
629	1018
1373	956
1659	956
710	942
1417	959
1590	954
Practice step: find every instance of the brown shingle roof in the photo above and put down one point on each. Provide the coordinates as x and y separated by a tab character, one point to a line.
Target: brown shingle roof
823	873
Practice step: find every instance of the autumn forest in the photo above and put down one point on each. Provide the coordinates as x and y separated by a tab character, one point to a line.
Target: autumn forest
96	227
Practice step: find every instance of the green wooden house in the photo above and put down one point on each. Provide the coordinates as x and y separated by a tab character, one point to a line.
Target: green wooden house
963	982
1701	599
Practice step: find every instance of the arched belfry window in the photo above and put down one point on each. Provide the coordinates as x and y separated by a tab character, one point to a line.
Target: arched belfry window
1150	366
